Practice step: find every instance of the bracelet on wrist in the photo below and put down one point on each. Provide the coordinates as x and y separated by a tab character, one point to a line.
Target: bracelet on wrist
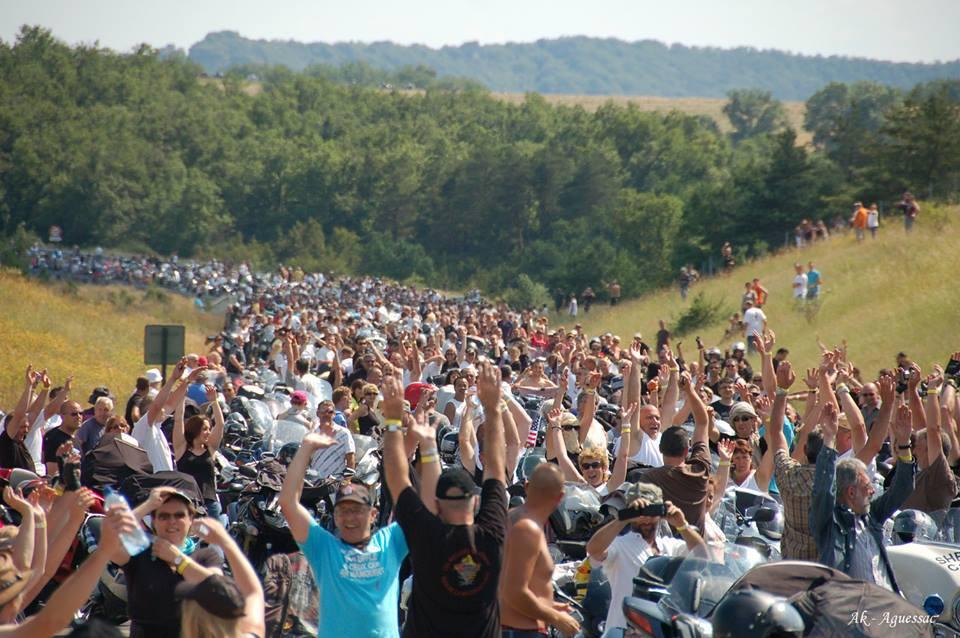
781	392
394	428
389	422
724	464
681	529
184	564
625	430
904	447
933	391
430	458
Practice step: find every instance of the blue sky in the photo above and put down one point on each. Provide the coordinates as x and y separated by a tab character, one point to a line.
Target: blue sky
900	30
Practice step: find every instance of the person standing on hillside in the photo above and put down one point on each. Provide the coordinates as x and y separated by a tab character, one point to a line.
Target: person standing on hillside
799	283
859	220
754	322
614	289
761	292
873	220
588	296
749	297
572	308
814	281
909	207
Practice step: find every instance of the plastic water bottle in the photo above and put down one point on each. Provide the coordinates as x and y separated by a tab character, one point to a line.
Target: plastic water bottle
134	542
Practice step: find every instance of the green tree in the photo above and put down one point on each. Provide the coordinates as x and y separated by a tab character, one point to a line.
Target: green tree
753	112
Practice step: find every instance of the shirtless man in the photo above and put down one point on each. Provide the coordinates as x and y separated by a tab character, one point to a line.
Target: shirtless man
526	588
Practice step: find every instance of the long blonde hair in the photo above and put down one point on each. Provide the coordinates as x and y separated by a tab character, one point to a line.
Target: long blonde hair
196	622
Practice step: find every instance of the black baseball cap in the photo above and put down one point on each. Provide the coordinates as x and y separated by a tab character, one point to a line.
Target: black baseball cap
458	480
218	595
99	391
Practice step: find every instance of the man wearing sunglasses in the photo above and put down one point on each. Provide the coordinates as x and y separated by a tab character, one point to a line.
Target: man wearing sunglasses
71	417
332	460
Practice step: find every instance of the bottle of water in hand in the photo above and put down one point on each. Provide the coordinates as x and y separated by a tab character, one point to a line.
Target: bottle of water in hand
134	542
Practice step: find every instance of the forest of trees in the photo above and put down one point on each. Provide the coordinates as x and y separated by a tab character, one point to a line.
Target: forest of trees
454	188
583	66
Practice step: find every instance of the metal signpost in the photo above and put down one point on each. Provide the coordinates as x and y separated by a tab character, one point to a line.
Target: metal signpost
163	345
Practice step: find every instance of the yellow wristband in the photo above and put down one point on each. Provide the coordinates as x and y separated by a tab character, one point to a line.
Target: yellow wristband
681	529
724	464
933	391
625	431
429	458
906	459
389	422
183	565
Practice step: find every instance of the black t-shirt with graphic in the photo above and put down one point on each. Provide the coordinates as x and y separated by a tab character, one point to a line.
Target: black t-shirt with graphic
456	568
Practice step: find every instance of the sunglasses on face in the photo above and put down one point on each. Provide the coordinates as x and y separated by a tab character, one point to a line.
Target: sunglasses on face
591	466
737	419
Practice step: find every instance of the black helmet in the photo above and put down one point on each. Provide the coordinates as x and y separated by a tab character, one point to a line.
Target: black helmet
287	452
913	525
751	613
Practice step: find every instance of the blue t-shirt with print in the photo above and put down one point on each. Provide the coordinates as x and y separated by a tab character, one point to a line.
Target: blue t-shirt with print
359	589
813	278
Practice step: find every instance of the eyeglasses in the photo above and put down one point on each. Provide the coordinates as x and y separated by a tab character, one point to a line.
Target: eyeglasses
743	418
167	516
591	466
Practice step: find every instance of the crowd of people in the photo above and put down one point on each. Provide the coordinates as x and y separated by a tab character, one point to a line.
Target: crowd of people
401	364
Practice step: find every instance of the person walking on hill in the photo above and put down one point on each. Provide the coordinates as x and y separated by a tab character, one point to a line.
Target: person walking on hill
614	289
859	220
799	283
760	291
588	296
814	281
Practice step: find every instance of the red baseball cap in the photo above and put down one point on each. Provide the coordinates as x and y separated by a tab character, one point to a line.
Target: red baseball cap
416	390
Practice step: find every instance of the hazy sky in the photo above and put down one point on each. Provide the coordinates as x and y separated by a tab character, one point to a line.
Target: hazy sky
901	30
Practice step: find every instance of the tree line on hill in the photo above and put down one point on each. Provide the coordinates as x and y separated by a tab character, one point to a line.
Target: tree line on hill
453	188
582	65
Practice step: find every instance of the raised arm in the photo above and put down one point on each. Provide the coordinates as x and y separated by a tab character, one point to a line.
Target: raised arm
672	394
23	546
395	463
914	400
858	429
824	483
494	444
557	447
619	473
179	438
886	386
20	410
216	434
70	596
722	477
37	405
467	437
701	419
934	426
53	407
947	397
252	622
774	430
297	516
589	405
765	345
155	413
511	436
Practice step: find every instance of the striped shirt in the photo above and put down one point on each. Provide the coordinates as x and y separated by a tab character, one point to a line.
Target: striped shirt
332	461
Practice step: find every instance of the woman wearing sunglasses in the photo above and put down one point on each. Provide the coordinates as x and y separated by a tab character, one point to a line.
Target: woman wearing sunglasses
173	558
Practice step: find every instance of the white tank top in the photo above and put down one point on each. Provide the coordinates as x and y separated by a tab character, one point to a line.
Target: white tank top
749	483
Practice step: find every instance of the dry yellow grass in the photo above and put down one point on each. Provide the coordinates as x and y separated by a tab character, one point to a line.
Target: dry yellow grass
92	332
711	107
895	293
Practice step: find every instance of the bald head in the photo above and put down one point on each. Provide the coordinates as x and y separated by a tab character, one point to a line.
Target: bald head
869	395
650	420
545	484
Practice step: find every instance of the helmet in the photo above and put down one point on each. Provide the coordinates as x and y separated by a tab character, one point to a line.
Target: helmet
287	452
913	525
756	614
739	346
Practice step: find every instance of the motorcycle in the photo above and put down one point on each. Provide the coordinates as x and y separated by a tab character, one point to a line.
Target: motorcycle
753	519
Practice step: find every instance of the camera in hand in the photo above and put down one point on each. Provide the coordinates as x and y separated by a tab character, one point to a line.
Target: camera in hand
657	509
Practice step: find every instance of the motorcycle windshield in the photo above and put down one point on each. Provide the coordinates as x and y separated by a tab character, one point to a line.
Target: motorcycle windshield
948	524
288	432
260	415
705	575
580	498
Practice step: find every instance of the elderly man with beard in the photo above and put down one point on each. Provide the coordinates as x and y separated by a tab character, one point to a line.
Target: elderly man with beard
623	554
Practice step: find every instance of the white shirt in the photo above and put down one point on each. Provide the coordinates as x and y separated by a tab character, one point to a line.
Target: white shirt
800	286
34	440
625	556
753	320
649	452
332	461
151	439
873	219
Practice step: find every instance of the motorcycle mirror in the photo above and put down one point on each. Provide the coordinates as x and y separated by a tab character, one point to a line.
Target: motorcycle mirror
697	594
764	515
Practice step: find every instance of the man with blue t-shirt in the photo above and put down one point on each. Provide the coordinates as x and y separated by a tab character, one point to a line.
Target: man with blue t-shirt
814	281
357	570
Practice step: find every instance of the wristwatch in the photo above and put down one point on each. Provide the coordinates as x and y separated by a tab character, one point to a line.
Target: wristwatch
179	559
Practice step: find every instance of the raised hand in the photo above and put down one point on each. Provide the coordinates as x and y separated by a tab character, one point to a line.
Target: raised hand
914	379
316	441
553	416
488	385
44	379
785	375
15	499
81	501
903	425
675	515
935	380
211	392
164	550
725	449
763	406
888	389
636	354
685	381
392	405
114	525
210	530
813	378
829	421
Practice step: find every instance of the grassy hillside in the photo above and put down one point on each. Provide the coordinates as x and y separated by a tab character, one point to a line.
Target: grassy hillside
92	332
895	293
